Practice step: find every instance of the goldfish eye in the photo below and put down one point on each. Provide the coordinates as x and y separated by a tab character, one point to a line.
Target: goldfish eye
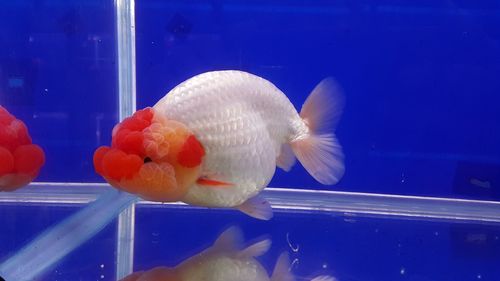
147	160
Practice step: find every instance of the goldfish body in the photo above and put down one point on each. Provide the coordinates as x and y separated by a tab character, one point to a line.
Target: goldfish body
224	261
20	160
215	140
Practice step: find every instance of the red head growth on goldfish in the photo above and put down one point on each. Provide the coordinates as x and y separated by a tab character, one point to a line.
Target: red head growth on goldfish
20	159
155	158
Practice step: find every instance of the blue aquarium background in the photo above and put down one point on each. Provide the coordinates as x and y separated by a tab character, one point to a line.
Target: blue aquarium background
58	75
420	79
422	117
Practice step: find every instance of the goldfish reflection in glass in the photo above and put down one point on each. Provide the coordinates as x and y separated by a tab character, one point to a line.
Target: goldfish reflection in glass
21	160
226	260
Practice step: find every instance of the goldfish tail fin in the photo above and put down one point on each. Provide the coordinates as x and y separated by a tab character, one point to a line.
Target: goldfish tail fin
281	271
286	159
320	152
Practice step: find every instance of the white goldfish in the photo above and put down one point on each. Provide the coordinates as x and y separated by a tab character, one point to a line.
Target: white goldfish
215	140
224	261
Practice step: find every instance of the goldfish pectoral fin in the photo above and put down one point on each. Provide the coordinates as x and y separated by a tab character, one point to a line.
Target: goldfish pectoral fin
256	249
287	159
257	207
208	182
229	241
281	272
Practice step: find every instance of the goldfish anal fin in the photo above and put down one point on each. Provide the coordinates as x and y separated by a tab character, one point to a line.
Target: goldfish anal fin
207	182
286	159
257	207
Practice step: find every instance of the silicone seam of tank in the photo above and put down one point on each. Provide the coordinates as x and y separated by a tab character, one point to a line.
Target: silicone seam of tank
349	204
125	30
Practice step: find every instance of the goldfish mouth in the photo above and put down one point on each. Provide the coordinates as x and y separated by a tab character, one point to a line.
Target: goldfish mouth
20	159
148	156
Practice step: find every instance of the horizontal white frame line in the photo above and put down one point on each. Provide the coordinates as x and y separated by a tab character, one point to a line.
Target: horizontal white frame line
302	200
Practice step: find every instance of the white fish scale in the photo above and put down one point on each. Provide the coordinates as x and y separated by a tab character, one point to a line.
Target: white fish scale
242	120
249	167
